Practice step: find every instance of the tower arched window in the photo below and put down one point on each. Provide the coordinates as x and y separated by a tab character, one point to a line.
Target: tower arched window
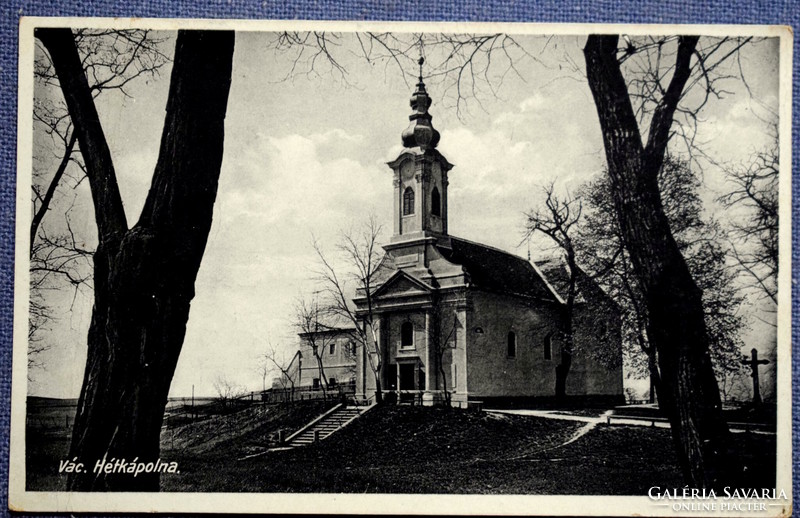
407	334
512	344
408	201
436	202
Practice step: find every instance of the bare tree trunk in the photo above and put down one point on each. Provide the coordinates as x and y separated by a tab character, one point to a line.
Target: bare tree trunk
144	277
653	374
323	380
376	368
445	390
562	369
689	395
378	388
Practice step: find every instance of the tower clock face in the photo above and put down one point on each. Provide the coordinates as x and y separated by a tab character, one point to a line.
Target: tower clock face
407	171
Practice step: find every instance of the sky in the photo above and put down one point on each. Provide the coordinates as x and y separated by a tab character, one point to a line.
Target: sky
306	157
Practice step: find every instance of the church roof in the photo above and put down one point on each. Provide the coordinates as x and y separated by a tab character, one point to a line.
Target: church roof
495	270
588	290
557	273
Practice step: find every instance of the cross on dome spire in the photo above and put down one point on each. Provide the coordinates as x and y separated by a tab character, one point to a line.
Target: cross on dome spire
420	133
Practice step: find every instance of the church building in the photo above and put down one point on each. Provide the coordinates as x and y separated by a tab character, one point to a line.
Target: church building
462	321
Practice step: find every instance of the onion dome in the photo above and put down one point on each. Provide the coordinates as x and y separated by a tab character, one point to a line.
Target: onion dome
420	132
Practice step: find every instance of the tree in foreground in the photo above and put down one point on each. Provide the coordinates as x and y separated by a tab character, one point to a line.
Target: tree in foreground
690	396
143	275
113	60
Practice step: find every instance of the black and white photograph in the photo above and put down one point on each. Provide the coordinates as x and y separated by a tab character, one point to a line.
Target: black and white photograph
341	267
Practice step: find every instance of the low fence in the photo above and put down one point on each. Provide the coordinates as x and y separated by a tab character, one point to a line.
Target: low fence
282	395
185	410
59	415
50	415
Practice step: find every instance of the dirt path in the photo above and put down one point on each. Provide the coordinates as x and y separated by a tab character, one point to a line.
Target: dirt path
591	422
603	418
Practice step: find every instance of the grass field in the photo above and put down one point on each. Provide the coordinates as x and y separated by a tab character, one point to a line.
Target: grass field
404	449
250	429
432	450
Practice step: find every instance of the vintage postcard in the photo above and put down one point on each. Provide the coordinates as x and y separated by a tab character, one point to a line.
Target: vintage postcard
307	267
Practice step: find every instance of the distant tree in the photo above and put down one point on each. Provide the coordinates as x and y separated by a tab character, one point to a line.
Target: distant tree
227	391
315	332
735	386
285	367
443	340
359	251
144	276
351	358
699	240
263	368
755	236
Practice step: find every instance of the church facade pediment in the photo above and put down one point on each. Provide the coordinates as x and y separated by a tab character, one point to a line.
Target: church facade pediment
401	284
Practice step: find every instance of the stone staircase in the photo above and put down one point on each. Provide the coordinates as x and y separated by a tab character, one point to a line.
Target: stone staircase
325	425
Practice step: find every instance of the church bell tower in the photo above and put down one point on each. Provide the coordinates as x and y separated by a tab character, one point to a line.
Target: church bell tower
420	175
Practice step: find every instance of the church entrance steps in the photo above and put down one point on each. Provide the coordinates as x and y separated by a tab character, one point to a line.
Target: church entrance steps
326	425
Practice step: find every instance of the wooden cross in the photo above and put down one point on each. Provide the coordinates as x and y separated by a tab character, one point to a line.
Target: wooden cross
753	362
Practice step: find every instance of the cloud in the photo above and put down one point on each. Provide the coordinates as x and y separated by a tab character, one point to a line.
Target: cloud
533	103
274	195
500	169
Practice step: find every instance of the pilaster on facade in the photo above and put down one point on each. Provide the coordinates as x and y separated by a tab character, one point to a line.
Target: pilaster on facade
429	375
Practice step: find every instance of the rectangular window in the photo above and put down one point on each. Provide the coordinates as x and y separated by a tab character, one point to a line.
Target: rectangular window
315	384
333	348
331	382
407	335
512	345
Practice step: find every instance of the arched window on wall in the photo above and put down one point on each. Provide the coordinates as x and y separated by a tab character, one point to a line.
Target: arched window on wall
436	202
512	344
548	347
407	334
408	201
